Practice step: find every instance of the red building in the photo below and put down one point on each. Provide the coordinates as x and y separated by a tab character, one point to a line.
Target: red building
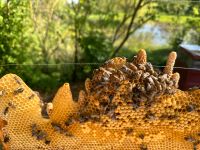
189	59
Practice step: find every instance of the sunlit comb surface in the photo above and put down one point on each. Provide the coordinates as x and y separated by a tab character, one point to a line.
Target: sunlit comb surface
125	106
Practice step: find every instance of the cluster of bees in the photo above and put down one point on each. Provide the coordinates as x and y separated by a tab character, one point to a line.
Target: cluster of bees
39	134
147	83
143	83
142	86
59	129
42	135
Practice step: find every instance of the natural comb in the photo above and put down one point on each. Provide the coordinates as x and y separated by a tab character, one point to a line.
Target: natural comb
125	106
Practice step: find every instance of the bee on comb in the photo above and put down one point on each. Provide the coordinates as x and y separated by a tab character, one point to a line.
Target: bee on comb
5	112
17	80
18	90
2	93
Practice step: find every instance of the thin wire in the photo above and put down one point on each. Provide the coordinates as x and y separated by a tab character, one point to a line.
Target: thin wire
88	63
70	63
175	1
198	69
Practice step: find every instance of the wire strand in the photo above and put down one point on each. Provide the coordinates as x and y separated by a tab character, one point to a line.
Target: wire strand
198	69
69	63
87	63
177	1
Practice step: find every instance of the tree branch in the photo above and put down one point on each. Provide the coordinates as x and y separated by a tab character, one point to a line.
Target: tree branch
138	6
125	18
146	3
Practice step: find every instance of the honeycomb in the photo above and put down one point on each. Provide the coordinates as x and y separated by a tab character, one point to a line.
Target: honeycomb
125	106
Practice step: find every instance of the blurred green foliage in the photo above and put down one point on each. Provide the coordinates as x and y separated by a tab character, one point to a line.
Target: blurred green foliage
183	19
12	26
40	33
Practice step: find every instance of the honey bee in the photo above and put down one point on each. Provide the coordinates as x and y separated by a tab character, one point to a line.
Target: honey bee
141	136
31	96
191	107
56	127
6	139
164	86
143	147
41	135
114	117
106	73
162	78
170	90
110	111
111	61
34	129
120	72
2	93
141	67
145	75
132	67
141	88
129	131
17	80
117	78
136	104
159	87
83	118
69	122
95	117
11	104
126	69
172	117
106	78
195	144
5	112
68	134
111	69
150	116
150	80
137	74
47	140
34	132
110	98
148	88
149	67
18	90
190	139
